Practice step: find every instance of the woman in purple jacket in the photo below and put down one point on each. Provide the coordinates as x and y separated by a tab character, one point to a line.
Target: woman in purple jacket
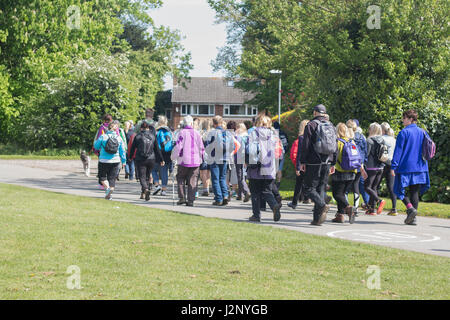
408	166
188	153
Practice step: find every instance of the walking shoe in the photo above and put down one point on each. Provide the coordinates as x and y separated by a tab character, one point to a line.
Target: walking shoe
276	212
412	213
181	202
254	219
351	214
307	201
108	193
371	212
190	204
247	197
381	205
126	175
238	198
225	202
217	203
163	193
339	218
323	214
291	205
205	194
158	188
142	195
147	195
393	212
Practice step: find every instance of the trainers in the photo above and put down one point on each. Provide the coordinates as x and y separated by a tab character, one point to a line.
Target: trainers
371	212
339	218
381	205
147	195
142	195
393	212
126	175
158	189
163	193
412	213
217	203
254	219
276	212
247	197
351	214
291	205
205	194
238	198
181	202
108	193
190	204
225	202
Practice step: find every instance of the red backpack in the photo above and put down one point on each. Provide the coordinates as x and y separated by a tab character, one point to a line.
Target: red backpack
294	150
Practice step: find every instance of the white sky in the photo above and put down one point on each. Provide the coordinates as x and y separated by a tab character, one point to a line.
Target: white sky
195	20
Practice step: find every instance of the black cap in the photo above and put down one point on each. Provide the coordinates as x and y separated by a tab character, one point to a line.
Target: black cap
320	108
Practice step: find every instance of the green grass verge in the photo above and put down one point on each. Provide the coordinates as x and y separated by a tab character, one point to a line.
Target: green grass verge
133	252
433	209
11	151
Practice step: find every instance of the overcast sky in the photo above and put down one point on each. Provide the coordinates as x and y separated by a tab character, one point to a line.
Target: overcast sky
195	20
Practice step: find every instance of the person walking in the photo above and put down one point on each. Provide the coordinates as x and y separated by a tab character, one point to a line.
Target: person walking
285	143
348	161
111	154
317	159
205	174
374	167
188	153
107	119
409	167
389	140
129	167
262	167
299	175
165	141
242	138
219	147
147	151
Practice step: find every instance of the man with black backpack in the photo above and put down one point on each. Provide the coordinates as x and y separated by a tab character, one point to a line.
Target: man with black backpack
317	159
147	152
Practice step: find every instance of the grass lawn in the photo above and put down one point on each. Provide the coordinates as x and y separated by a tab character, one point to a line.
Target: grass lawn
439	210
132	252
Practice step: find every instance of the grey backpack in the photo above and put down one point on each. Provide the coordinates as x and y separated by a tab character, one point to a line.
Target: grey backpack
326	143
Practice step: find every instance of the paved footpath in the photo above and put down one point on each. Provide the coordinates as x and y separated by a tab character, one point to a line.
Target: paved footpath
430	236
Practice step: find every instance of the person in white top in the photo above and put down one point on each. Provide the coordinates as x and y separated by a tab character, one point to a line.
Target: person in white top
389	140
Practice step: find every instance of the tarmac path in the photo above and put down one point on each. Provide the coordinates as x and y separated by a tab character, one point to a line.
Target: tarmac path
430	236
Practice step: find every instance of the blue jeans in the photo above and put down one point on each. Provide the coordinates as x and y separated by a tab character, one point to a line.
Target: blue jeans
363	192
129	168
218	181
161	172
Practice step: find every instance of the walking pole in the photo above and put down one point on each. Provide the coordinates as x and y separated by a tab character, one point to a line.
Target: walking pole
173	183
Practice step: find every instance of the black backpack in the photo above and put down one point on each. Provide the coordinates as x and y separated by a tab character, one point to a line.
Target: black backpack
112	145
147	144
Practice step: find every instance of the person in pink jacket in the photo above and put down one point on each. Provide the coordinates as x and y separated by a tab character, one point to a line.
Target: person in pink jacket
188	153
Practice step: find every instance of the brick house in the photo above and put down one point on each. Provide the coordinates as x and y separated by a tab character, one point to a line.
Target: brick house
205	98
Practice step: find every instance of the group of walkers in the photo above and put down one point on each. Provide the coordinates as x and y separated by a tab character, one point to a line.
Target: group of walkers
247	159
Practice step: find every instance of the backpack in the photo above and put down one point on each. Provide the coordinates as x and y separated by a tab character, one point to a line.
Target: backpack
147	145
294	150
252	154
351	158
284	140
382	152
112	145
326	142
168	141
428	147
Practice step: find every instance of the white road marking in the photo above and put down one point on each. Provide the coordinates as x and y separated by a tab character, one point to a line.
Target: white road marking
383	236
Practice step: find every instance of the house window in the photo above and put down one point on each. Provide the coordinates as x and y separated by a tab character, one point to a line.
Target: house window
230	83
197	110
169	114
239	110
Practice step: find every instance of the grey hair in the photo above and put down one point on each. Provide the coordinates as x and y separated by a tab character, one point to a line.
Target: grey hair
188	121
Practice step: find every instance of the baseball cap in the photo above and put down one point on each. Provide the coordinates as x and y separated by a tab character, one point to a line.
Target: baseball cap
320	108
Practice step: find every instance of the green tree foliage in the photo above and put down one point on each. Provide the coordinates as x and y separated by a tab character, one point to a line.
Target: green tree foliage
330	51
64	63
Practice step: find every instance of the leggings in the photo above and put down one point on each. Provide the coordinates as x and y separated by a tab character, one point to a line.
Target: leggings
355	184
299	190
371	184
390	185
413	196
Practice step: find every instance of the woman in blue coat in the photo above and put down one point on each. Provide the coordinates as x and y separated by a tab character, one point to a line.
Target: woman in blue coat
408	166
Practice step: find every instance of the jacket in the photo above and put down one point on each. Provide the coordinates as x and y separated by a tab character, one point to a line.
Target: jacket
106	157
308	154
408	151
372	161
189	148
138	144
267	142
297	159
219	139
165	143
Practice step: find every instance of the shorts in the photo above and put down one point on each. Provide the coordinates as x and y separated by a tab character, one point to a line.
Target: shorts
108	171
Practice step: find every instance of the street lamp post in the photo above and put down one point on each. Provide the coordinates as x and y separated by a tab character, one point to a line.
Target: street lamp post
279	72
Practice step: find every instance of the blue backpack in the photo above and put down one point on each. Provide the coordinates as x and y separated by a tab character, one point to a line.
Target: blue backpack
351	158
